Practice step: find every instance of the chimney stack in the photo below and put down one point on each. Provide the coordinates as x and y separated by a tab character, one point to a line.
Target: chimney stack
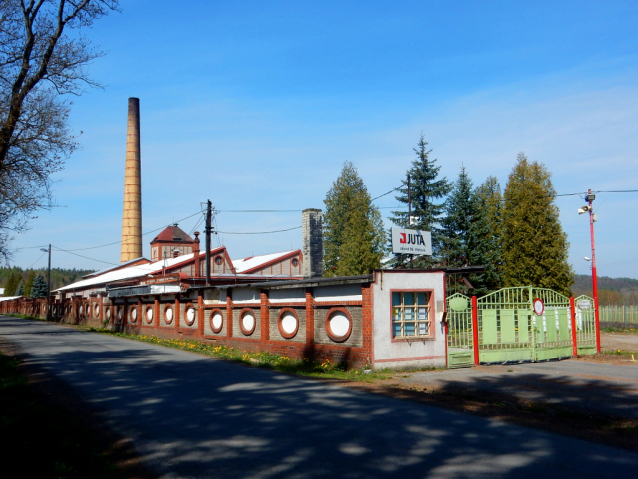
312	248
196	255
132	214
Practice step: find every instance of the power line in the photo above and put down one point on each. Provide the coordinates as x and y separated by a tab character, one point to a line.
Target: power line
36	260
118	242
259	232
85	257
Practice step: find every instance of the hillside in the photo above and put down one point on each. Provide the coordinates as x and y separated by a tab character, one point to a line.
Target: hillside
59	277
610	290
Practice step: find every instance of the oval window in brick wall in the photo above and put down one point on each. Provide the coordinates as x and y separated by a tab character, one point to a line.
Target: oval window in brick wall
190	315
247	322
288	323
338	324
216	321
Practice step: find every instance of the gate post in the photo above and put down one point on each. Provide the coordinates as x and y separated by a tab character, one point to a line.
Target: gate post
475	330
572	307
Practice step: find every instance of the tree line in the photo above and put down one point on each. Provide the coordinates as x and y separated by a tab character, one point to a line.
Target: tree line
33	284
515	233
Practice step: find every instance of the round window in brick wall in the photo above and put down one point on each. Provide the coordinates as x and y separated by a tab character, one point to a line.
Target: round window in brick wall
247	322
295	262
133	315
119	314
96	309
216	321
190	315
218	260
338	324
288	323
168	314
108	313
149	314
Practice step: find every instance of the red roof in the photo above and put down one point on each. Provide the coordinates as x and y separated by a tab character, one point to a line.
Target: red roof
173	234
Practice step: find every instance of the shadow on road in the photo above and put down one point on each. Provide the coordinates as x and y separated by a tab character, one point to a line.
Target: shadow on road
191	416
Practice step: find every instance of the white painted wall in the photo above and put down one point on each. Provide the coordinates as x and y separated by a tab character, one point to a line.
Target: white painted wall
245	295
287	295
416	352
342	292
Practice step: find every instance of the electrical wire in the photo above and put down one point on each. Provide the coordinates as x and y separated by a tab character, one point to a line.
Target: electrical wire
86	257
258	232
36	260
118	242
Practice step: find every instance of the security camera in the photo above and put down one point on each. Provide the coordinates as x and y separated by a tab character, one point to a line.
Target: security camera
583	210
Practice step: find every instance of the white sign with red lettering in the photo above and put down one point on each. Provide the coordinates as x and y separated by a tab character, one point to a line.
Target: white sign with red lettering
411	241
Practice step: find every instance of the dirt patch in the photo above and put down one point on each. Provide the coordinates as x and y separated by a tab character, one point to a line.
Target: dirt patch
627	342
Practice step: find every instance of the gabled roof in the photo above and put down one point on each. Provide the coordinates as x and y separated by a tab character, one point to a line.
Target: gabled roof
173	234
256	263
133	272
126	264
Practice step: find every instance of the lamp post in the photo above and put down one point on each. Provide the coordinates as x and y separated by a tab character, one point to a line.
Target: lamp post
592	218
48	283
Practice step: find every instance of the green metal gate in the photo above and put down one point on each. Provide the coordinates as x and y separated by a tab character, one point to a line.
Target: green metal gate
585	324
508	330
460	345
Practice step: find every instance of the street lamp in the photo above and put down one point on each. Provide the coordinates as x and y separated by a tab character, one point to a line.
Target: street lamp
48	282
592	218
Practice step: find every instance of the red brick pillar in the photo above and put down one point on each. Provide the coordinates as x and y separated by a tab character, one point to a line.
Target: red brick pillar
310	318
156	314
177	310
125	312
265	316
229	315
367	322
200	311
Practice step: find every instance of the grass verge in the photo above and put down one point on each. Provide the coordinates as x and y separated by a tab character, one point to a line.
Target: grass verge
304	367
45	441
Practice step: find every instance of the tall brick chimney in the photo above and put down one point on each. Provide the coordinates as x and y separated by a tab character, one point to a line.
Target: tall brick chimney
132	214
312	247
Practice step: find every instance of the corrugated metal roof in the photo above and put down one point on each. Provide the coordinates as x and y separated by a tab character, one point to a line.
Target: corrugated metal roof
252	262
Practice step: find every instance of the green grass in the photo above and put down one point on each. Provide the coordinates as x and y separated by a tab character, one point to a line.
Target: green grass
620	330
304	367
42	441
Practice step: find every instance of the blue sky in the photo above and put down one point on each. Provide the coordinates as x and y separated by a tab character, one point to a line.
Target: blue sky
256	105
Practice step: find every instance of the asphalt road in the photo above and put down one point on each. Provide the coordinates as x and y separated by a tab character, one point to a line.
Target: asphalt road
192	416
576	384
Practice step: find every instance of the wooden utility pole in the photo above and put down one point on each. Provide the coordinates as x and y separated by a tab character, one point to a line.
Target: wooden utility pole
207	230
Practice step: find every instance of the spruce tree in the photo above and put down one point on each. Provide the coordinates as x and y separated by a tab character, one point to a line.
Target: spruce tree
461	212
353	234
12	283
29	283
484	239
39	289
535	248
20	290
426	192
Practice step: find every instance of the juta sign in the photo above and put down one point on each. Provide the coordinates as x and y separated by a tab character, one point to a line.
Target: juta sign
411	241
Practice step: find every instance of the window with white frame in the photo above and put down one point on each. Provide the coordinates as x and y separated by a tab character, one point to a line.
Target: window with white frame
411	314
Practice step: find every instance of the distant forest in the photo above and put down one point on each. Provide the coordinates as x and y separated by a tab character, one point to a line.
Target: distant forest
59	277
610	290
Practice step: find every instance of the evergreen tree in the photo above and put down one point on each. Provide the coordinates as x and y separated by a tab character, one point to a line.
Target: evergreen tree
20	290
353	234
461	212
12	283
39	289
484	242
29	283
535	248
425	190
